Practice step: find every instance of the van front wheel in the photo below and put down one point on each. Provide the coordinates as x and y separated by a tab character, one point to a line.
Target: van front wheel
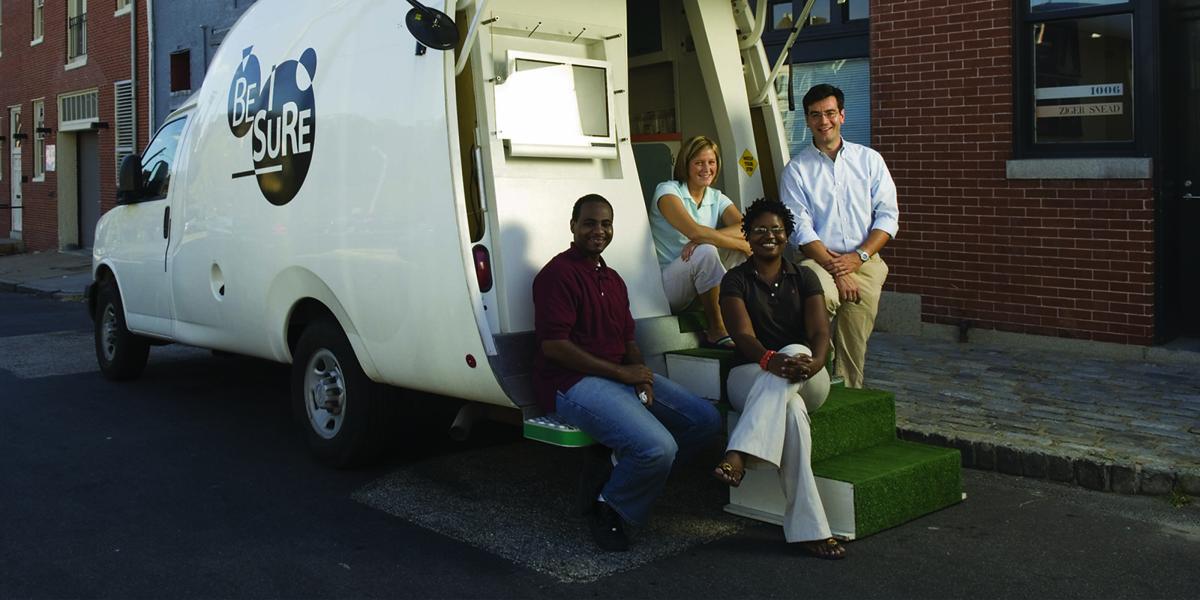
338	407
120	353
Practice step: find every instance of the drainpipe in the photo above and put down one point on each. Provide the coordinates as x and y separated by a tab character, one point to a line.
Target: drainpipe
133	56
151	123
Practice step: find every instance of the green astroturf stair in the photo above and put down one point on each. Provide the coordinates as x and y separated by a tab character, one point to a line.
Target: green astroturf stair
868	479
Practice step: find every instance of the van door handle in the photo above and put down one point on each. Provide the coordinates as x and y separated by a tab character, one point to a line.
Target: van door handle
166	222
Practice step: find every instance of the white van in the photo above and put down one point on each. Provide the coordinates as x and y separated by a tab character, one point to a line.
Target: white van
372	210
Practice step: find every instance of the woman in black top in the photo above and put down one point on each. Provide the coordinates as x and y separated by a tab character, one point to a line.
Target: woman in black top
775	312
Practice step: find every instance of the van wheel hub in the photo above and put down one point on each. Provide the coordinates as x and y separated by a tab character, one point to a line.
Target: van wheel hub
108	332
325	387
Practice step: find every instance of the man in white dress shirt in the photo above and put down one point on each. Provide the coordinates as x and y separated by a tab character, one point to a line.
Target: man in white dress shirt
844	201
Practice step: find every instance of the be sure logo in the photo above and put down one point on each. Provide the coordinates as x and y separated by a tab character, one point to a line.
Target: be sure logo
279	115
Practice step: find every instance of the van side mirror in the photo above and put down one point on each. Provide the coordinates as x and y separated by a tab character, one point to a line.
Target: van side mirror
431	27
129	180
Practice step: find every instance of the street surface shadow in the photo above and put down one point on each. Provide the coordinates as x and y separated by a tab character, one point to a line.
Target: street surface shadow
514	501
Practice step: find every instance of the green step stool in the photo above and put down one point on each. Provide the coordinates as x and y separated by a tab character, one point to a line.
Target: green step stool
868	480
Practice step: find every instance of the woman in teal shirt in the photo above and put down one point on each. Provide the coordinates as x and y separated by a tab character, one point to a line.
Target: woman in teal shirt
697	234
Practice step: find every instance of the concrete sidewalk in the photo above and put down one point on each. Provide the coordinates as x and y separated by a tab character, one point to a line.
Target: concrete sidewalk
63	275
1122	424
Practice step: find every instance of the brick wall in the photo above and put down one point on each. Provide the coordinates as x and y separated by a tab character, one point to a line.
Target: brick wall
1067	258
32	72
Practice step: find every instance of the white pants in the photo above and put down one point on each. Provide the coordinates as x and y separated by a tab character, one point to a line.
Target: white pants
774	427
683	281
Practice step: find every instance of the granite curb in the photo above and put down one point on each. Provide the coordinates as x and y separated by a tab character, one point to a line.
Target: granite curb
1092	473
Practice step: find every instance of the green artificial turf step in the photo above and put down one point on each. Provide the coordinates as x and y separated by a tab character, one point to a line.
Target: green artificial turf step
865	491
852	419
896	482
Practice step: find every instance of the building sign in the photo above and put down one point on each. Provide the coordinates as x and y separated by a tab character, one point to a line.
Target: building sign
1080	91
1097	109
50	158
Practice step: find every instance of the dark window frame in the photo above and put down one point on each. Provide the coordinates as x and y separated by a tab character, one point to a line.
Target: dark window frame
840	38
181	70
1145	78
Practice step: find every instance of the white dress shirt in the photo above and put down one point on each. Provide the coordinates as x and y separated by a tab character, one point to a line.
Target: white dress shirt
839	202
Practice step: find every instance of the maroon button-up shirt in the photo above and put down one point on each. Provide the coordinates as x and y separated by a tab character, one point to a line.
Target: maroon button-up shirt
588	304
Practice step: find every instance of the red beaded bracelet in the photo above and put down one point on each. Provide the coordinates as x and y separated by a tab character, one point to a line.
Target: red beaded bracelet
766	358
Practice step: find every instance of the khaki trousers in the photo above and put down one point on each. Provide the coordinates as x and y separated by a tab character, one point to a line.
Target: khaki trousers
855	320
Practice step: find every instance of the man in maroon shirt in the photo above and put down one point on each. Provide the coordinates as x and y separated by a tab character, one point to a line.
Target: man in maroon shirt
589	369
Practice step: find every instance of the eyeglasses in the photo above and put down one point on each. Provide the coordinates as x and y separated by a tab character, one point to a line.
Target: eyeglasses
830	114
766	230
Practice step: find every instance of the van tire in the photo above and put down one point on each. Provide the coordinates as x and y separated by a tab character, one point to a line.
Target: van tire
120	353
350	431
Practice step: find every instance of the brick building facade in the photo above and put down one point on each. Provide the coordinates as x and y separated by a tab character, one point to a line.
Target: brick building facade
1049	256
76	78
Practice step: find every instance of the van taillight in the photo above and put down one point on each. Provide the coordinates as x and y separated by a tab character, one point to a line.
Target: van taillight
483	267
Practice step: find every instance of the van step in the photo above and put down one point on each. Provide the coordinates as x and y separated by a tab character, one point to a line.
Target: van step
552	430
865	491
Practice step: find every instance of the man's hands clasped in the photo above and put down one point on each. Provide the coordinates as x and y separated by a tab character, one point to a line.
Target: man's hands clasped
840	267
642	380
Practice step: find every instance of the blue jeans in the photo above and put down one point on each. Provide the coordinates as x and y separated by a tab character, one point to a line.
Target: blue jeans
645	442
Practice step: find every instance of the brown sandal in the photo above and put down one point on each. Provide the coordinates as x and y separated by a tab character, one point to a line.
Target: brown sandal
728	474
827	549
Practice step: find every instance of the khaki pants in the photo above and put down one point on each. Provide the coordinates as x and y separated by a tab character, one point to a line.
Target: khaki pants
855	320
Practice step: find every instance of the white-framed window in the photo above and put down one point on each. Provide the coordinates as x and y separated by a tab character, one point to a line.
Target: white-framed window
39	140
39	21
78	110
122	8
76	31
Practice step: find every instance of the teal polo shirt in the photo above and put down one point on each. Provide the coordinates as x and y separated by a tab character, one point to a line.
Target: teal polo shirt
668	241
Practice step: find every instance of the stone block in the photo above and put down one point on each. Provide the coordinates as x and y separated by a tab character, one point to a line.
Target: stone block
1123	480
1008	460
1190	484
1091	475
1034	464
1060	468
1156	483
985	456
966	451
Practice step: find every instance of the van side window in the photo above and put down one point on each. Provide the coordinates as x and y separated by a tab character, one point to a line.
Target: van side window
158	159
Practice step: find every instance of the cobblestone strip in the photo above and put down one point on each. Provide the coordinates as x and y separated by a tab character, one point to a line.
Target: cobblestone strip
1103	424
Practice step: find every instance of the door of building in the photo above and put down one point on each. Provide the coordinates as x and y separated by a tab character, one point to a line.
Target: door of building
14	151
1181	184
88	153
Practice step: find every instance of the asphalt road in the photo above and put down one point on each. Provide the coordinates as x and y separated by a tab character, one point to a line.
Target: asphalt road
191	482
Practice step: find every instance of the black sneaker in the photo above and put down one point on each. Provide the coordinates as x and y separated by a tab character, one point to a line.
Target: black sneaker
607	529
597	468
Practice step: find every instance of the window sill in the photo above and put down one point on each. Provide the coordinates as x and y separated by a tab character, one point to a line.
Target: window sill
75	63
41	179
120	12
1079	168
35	41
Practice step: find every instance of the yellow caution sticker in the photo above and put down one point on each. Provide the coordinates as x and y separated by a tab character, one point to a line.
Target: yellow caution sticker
748	163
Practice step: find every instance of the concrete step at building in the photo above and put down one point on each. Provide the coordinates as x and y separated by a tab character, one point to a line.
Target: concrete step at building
10	246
